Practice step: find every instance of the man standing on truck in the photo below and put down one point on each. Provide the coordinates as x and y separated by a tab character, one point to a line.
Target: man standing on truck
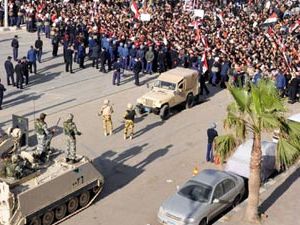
129	122
106	111
211	134
70	130
44	136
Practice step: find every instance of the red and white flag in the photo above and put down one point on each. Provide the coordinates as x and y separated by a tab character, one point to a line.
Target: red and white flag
294	26
204	42
204	63
272	19
135	9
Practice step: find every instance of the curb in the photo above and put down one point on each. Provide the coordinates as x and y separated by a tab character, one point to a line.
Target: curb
12	29
271	184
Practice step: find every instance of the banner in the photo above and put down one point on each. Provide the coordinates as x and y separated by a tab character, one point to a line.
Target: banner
145	17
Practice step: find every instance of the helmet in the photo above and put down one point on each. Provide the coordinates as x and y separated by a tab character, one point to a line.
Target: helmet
14	158
70	116
129	106
9	130
42	116
106	101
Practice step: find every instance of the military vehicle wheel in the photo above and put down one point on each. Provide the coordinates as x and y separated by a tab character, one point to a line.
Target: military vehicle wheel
60	212
189	101
164	112
73	205
84	198
35	221
48	218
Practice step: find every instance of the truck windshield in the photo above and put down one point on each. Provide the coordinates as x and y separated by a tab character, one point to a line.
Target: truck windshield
165	85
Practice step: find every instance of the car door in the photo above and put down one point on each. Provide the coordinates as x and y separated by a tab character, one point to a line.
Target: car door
229	191
180	92
216	208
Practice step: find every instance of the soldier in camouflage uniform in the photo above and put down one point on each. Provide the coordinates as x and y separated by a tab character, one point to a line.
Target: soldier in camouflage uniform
129	121
70	130
106	111
44	136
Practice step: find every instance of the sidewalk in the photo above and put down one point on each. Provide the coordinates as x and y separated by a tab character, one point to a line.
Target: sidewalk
279	200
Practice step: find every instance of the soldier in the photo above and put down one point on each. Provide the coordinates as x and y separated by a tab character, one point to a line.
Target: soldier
70	130
129	121
16	134
44	136
106	111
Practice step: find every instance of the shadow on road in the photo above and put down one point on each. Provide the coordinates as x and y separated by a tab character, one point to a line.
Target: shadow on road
42	78
21	99
117	174
278	192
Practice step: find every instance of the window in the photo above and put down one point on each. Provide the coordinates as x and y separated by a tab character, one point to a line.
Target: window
228	185
180	86
218	191
196	191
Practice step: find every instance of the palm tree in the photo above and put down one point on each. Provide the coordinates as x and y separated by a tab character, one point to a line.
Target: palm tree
253	112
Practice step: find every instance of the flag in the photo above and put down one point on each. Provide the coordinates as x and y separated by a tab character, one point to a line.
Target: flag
220	17
204	42
204	63
135	9
272	19
270	34
294	26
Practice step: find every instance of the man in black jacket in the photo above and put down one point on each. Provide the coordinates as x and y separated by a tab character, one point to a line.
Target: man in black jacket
39	46
25	70
69	59
95	56
2	89
137	68
103	58
9	68
19	74
15	46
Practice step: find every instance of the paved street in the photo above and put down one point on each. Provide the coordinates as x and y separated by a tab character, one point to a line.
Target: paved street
136	171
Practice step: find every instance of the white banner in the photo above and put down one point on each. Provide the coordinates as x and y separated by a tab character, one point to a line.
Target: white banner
198	13
145	17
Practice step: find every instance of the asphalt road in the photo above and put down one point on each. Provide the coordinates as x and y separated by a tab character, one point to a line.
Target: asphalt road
140	173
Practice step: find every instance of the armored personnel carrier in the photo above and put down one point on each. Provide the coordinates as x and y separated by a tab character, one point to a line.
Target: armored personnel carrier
50	194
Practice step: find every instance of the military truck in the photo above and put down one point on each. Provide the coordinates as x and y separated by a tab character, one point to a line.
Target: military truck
51	194
172	88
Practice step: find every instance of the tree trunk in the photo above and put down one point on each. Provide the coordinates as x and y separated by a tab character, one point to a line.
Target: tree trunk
254	180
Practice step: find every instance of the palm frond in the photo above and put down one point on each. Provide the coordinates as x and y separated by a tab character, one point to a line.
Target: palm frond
241	97
287	152
224	146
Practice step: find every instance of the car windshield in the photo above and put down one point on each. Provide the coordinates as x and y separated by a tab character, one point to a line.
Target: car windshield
196	191
165	85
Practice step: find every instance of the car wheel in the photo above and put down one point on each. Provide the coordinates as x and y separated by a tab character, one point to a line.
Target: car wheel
164	112
189	101
203	222
140	110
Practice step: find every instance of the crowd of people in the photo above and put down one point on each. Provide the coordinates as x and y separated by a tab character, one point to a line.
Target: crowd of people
242	40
